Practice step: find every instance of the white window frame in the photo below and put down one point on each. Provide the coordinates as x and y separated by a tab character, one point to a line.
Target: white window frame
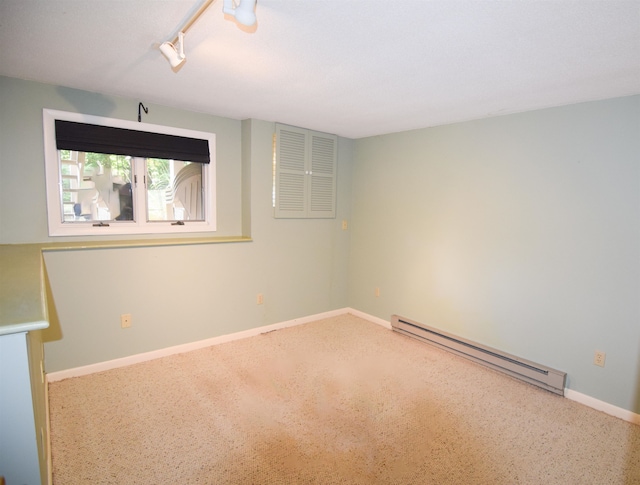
57	225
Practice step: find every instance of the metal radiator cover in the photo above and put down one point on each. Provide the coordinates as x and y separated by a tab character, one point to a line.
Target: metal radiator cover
525	370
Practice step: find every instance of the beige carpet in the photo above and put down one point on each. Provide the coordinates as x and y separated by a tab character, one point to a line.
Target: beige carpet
337	401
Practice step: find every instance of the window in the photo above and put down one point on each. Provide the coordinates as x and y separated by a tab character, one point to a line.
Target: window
108	176
305	173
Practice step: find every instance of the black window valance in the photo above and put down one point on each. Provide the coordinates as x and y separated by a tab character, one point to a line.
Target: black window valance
120	141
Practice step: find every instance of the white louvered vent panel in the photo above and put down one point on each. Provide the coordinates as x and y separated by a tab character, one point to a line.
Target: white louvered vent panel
322	155
305	181
292	150
291	192
322	196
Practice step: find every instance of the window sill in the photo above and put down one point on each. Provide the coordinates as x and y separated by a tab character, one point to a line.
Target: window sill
137	243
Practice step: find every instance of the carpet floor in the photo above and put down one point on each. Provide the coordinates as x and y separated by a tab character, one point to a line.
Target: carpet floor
336	401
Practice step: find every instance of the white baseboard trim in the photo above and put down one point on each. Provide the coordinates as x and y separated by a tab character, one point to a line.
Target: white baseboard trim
605	407
371	318
179	349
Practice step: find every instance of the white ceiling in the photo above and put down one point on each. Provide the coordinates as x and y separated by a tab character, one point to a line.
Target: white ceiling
352	67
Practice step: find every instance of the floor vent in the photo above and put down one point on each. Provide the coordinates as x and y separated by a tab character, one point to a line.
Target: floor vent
538	375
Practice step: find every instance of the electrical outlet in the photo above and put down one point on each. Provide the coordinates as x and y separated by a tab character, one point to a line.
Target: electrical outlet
377	292
345	225
260	299
125	320
599	358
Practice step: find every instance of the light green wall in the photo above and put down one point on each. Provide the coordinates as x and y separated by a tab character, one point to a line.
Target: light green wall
23	216
521	232
176	294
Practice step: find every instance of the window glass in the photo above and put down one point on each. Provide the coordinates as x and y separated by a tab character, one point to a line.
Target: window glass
174	190
96	187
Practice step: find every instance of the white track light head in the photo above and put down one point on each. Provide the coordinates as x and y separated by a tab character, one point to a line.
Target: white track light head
244	13
174	55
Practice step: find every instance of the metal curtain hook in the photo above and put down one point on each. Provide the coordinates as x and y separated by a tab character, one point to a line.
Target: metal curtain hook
146	111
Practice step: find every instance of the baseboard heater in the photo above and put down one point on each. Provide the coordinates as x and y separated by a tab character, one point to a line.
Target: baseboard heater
536	374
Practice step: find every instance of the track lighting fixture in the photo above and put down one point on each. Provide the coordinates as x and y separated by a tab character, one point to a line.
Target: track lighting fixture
243	11
174	55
